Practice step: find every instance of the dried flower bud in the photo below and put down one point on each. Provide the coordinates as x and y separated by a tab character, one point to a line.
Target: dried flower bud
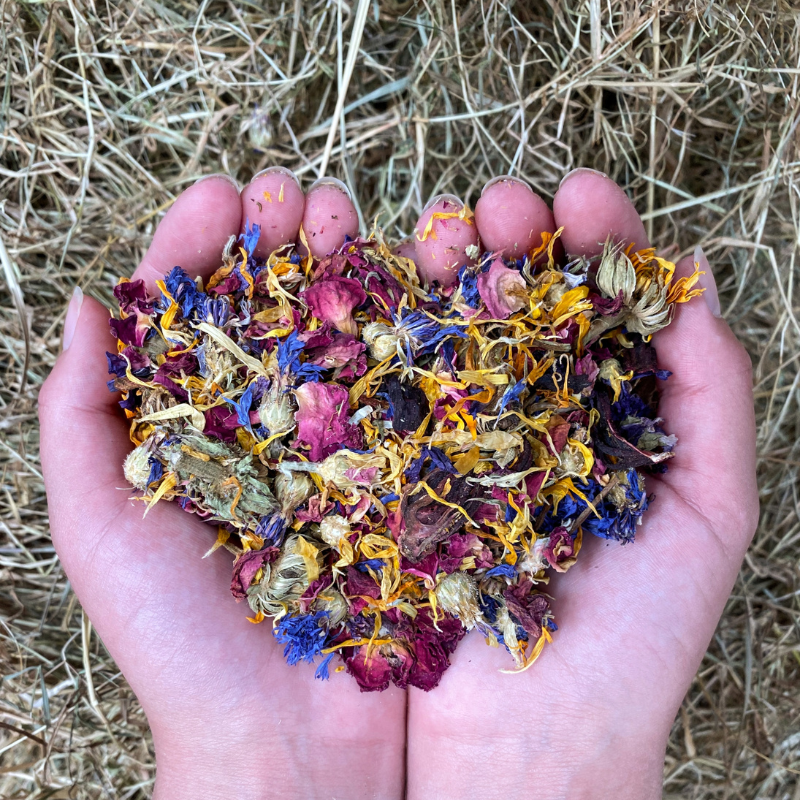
292	489
458	595
333	529
616	274
334	604
277	408
137	466
502	289
381	340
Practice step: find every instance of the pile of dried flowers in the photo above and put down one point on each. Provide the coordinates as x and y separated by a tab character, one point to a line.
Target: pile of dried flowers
393	465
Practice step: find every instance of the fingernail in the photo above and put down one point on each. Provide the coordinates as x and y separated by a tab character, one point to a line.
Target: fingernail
279	171
342	187
71	320
220	176
584	170
506	179
707	282
439	197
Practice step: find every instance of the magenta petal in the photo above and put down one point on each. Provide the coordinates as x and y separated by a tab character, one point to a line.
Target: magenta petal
129	330
333	300
322	419
498	289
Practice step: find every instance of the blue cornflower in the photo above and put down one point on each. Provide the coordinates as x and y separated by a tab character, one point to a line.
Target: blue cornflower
183	291
242	407
371	563
437	457
469	287
615	523
216	311
511	395
289	350
272	529
506	570
250	236
304	636
321	672
156	470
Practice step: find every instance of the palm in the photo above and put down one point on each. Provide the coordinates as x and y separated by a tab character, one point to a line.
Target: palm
634	622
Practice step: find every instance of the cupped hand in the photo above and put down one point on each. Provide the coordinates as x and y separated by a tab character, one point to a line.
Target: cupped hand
230	719
591	718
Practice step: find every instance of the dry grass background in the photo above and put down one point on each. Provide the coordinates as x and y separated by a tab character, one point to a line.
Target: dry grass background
109	109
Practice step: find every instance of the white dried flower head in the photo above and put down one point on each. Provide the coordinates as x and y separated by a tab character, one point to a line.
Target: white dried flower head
292	489
645	309
283	582
277	408
381	340
651	312
458	595
137	466
333	529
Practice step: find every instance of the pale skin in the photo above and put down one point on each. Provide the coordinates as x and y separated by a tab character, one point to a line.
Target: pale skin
231	719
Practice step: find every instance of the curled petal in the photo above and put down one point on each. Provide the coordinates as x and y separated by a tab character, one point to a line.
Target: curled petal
502	290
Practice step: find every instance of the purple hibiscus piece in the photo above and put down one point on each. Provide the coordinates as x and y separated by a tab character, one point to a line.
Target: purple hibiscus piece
129	330
132	297
221	422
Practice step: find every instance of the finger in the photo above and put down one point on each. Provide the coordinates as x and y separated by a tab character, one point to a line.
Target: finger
194	231
329	217
707	403
274	201
591	207
405	249
511	218
442	250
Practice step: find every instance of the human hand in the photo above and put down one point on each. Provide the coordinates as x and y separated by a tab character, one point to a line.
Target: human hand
591	718
194	661
229	717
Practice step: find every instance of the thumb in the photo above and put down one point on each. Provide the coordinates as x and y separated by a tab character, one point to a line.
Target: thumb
708	403
83	436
